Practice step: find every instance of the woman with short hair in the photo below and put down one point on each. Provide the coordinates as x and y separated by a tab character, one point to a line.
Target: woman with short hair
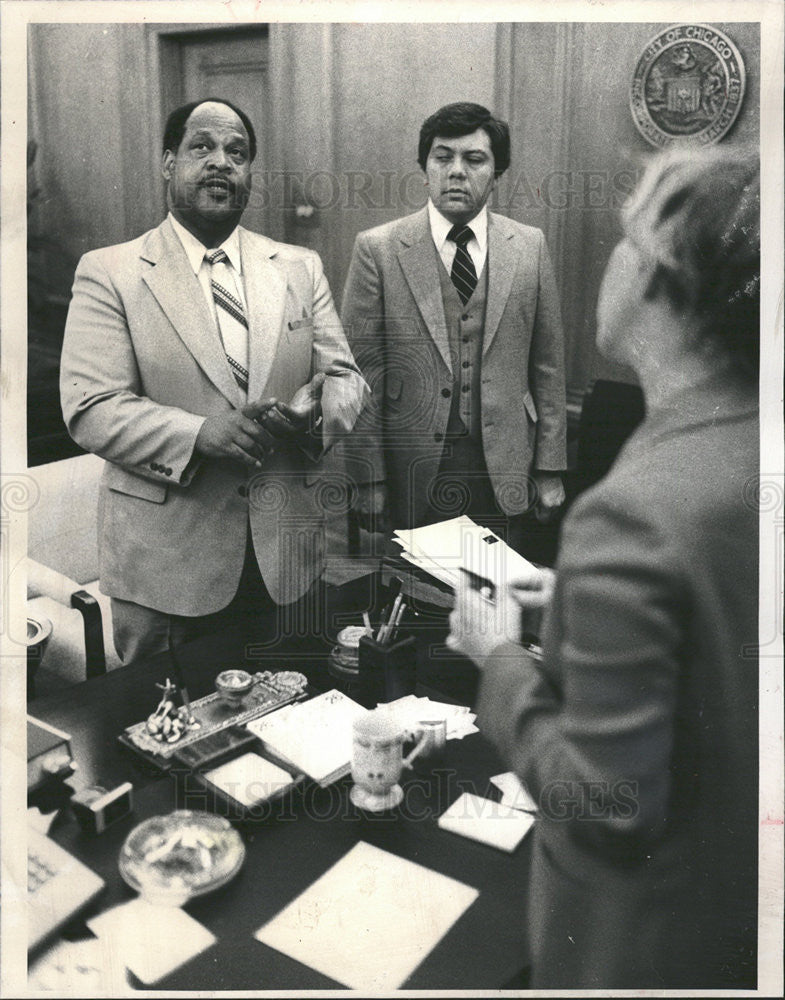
637	731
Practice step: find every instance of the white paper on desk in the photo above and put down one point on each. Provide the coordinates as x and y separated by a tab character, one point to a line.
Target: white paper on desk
514	793
487	821
370	920
409	711
84	968
249	779
151	941
315	735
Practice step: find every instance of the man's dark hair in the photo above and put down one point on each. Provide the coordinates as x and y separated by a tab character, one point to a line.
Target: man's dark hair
176	122
454	120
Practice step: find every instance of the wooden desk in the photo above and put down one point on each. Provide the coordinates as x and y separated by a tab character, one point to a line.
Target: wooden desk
288	851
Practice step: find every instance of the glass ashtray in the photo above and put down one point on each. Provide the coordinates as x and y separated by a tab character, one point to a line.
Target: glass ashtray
170	859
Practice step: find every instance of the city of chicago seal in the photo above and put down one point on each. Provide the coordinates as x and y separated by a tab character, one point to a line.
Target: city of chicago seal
688	85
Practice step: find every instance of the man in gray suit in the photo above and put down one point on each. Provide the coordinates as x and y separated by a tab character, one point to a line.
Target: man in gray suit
453	317
207	365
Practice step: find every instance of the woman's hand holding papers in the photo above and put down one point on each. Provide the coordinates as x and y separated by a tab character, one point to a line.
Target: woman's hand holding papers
479	625
534	594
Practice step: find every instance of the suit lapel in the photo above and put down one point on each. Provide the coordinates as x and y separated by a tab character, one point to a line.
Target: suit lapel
502	265
265	293
420	264
179	294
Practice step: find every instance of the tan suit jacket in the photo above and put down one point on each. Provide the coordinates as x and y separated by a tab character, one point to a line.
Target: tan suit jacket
143	363
393	314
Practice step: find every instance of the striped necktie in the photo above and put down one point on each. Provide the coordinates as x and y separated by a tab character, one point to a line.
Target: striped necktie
463	274
231	316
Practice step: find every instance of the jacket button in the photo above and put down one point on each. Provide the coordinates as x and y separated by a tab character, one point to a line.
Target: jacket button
446	393
465	364
154	466
465	316
438	436
243	491
167	472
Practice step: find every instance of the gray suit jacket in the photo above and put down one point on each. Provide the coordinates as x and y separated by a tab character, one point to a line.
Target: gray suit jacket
638	733
394	317
143	363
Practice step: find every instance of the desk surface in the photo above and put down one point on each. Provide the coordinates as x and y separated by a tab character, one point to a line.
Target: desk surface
286	852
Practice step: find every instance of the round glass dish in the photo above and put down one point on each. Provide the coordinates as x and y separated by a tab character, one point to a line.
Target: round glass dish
170	859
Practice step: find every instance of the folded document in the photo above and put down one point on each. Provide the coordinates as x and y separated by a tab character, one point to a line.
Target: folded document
445	548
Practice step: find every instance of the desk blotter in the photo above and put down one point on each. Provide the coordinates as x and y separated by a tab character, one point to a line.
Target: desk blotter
271	690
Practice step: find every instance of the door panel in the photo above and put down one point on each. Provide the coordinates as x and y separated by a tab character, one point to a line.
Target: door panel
234	65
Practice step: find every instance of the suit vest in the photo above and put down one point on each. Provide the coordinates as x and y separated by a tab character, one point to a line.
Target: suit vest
465	326
462	477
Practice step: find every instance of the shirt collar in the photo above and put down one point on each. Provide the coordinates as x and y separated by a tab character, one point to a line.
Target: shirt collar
440	227
195	249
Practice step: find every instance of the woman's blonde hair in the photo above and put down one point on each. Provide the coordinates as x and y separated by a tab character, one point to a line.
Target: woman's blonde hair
696	212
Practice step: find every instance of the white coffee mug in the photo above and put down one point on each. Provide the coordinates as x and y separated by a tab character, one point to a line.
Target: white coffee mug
377	761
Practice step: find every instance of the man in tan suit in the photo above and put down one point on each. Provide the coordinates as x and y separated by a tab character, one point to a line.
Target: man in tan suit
453	317
208	366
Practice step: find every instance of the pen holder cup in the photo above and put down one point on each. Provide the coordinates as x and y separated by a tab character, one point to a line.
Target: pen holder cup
386	672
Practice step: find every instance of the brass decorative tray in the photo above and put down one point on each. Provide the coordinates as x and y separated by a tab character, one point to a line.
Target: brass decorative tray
270	690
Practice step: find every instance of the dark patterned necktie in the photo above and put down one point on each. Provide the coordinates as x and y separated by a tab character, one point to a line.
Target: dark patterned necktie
463	275
231	316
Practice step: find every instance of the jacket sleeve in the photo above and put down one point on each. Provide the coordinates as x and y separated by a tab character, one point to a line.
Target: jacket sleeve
546	372
363	319
101	392
344	390
591	728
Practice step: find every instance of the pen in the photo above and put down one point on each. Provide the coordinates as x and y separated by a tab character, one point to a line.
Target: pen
397	621
386	629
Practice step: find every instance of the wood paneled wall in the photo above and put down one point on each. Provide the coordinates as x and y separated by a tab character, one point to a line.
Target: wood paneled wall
564	88
347	102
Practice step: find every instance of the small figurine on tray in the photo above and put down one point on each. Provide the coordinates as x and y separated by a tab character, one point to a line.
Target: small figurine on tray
168	723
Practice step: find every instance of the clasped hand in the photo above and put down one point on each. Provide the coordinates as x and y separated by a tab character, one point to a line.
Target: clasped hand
252	433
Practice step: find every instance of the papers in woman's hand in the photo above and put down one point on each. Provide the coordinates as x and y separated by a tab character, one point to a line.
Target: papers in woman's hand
443	549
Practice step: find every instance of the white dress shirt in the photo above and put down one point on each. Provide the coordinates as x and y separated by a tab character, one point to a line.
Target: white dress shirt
477	245
195	251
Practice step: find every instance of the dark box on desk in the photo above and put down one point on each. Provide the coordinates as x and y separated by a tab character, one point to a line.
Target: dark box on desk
386	672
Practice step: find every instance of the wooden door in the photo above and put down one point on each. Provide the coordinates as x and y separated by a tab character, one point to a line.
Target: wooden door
233	64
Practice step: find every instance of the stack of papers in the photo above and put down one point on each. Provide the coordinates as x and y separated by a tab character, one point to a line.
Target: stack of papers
409	711
443	549
314	736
